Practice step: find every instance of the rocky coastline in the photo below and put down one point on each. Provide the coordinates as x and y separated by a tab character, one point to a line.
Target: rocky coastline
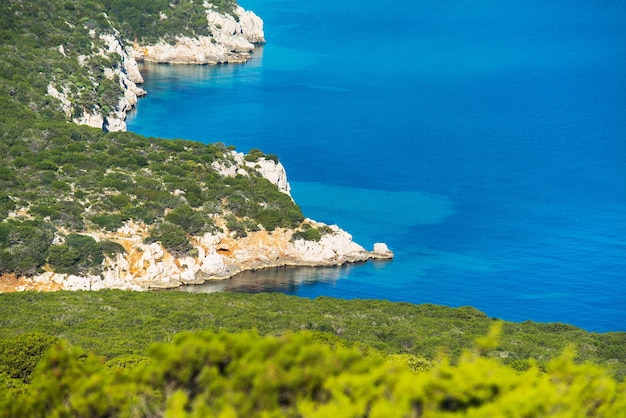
232	40
214	256
218	257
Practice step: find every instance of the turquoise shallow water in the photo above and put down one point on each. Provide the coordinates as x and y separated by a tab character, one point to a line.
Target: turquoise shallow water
483	142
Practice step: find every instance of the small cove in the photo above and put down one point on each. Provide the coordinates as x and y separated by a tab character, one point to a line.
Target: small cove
484	145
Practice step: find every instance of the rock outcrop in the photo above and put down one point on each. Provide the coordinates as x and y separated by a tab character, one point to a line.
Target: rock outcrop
235	164
128	75
216	256
232	40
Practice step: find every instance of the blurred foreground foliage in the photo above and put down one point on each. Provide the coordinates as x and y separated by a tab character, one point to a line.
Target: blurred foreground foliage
92	354
206	374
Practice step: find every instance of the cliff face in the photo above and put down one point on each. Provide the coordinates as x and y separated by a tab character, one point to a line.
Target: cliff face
235	162
218	256
232	40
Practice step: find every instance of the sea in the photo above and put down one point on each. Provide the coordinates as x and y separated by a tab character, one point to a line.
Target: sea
483	141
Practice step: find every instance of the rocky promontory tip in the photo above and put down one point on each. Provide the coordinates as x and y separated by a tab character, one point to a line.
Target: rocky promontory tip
232	40
216	257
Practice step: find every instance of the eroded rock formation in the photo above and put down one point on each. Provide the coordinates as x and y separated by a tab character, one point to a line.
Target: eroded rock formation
216	256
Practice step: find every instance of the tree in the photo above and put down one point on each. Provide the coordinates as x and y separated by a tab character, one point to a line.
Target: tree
187	218
172	237
81	254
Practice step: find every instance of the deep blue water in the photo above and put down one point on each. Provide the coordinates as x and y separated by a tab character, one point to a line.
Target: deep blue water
483	141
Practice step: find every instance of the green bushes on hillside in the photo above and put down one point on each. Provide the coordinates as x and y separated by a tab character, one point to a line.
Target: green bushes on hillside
144	20
24	246
172	237
113	323
81	255
352	359
310	233
82	180
20	355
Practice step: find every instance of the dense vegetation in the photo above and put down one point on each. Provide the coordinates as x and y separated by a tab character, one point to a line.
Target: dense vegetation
114	323
322	357
150	21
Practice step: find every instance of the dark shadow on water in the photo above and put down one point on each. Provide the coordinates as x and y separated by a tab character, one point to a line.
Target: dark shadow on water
283	279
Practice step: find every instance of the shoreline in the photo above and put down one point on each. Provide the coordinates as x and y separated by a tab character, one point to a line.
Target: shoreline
219	257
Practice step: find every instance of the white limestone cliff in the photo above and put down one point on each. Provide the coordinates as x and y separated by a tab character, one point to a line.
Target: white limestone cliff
232	40
274	171
235	164
128	75
217	256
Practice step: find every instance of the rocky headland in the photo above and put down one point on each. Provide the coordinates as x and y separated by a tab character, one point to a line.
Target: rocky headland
232	41
217	255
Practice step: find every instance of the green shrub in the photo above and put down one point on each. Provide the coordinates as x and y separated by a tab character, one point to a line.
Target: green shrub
26	244
117	181
20	354
269	218
7	174
60	185
187	218
308	233
120	201
141	213
46	165
172	237
254	155
64	259
148	183
235	226
6	204
110	248
79	255
71	382
69	214
244	374
110	221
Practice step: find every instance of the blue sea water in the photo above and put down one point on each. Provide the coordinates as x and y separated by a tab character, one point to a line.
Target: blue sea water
483	141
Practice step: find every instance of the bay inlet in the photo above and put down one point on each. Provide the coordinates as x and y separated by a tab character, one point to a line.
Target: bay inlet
483	144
